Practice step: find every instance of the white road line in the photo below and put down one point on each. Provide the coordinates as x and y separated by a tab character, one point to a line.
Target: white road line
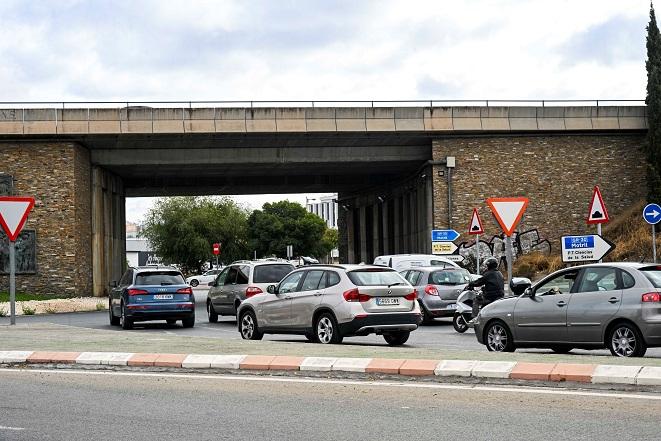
12	428
385	384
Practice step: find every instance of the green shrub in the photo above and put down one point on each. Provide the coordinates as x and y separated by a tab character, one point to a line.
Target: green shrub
27	310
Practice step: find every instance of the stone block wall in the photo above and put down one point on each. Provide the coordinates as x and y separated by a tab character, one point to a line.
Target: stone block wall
57	175
557	174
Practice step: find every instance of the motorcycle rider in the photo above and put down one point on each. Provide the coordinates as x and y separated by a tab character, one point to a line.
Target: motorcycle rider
493	286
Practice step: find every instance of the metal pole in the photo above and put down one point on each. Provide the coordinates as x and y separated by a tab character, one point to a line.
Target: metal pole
653	244
508	246
599	233
12	282
477	253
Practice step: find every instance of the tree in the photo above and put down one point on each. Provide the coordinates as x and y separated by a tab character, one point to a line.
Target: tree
183	230
284	223
653	101
329	241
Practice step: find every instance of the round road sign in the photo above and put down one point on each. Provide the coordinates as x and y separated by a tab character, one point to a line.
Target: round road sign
652	213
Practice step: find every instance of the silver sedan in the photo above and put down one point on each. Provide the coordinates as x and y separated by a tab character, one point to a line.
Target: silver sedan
612	305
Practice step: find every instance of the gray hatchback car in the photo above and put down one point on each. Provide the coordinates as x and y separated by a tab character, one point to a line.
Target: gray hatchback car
329	302
612	305
437	289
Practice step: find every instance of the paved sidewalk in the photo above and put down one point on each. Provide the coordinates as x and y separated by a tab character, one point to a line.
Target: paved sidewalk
553	372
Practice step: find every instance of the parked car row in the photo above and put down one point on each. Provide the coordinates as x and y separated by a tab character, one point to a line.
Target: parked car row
611	305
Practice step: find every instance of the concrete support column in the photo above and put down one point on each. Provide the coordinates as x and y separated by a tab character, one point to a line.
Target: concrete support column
387	245
351	256
397	226
429	205
413	215
376	234
108	230
362	213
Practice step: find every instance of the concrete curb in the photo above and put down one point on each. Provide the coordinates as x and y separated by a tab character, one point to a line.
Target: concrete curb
554	372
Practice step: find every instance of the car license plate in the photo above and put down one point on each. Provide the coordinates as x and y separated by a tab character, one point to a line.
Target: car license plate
163	296
452	306
382	301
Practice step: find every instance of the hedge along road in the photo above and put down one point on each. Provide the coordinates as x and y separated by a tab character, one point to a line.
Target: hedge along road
223	337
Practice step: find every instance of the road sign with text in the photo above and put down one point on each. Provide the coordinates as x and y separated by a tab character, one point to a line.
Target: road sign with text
444	235
582	248
443	247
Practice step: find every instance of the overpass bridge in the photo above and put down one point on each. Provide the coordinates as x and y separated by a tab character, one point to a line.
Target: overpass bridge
387	161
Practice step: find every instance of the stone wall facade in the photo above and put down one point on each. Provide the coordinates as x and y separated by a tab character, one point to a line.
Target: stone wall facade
557	174
57	175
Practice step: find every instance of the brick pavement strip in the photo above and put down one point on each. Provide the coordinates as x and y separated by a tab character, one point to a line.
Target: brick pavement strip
556	372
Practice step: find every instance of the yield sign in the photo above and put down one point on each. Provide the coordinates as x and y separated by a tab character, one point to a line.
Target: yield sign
475	226
508	212
13	214
598	213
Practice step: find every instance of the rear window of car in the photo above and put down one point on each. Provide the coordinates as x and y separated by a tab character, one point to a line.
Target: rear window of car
271	273
653	274
375	278
159	278
449	277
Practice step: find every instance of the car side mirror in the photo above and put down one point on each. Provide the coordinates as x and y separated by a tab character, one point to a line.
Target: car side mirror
271	289
529	292
113	284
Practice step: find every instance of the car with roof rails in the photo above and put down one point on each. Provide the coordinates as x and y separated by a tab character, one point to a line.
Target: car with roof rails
326	303
614	305
241	280
151	293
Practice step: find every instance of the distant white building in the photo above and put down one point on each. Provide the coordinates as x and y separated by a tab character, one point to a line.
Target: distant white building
139	253
325	207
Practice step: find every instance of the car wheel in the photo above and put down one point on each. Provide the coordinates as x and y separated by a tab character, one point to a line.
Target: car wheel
248	326
426	317
171	321
188	322
396	338
625	340
459	323
194	283
114	321
125	322
499	338
561	349
211	313
326	330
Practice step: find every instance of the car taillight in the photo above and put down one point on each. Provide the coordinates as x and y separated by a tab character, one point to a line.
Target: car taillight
188	290
431	290
411	296
652	297
354	296
252	290
136	292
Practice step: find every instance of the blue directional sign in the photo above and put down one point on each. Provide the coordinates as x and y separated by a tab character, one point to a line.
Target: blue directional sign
652	213
444	235
589	247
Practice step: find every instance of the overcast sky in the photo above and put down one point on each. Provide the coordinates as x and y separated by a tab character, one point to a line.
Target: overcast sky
321	50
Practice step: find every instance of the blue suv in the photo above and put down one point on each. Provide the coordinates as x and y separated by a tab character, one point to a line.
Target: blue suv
151	293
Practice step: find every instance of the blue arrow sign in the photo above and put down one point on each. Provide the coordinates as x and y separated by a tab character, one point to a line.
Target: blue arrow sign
444	235
652	213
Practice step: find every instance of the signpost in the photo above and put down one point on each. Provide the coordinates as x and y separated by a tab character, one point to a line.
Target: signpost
508	213
290	252
597	213
442	241
216	252
581	248
13	214
475	227
652	215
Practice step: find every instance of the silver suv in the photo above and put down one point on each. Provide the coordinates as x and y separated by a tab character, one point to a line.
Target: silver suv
329	302
240	281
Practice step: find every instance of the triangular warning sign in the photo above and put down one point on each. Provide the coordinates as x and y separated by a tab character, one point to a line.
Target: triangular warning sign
508	212
475	226
13	214
597	213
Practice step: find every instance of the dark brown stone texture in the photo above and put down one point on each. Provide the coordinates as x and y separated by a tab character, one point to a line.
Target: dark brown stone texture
57	175
557	174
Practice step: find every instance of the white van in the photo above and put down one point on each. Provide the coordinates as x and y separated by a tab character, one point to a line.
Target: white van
401	262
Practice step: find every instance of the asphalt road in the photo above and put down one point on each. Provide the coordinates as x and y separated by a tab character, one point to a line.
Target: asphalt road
440	335
60	405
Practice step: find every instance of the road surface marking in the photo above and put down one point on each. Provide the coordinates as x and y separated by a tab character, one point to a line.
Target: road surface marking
385	384
11	428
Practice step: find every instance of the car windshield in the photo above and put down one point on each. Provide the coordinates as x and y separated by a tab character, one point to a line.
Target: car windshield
376	277
159	278
449	277
653	274
271	273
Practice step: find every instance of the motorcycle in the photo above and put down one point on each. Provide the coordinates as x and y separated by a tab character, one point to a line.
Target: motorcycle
464	312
